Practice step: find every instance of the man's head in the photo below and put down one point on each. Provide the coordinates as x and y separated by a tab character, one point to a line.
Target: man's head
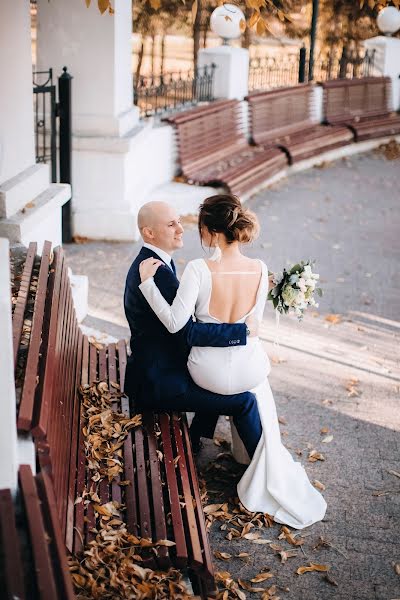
160	226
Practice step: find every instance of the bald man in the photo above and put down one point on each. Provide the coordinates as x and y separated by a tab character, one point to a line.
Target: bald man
157	377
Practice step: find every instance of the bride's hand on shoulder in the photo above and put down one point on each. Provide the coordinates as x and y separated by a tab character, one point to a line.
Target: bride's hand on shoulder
148	268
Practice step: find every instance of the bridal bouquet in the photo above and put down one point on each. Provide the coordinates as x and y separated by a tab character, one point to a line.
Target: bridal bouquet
294	289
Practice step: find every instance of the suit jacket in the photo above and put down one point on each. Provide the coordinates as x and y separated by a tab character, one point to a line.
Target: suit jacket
157	368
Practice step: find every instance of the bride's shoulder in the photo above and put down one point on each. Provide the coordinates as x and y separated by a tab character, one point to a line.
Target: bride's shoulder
256	262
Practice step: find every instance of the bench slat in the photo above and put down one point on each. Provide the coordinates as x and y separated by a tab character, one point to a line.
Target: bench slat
39	428
104	487
74	465
90	515
22	298
57	546
173	493
116	406
27	402
129	469
79	523
195	557
160	528
11	558
38	537
201	524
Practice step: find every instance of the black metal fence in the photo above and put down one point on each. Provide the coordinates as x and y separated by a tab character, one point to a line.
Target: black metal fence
286	70
171	91
52	127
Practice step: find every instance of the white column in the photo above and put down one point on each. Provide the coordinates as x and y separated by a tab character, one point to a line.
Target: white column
97	50
29	207
17	151
8	428
231	76
387	62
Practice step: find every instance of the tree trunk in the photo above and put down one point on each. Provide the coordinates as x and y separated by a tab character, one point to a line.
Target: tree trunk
162	54
140	60
196	34
153	51
246	37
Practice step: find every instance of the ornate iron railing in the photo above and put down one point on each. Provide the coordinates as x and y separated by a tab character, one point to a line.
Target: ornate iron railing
171	91
280	71
273	72
345	66
45	107
52	128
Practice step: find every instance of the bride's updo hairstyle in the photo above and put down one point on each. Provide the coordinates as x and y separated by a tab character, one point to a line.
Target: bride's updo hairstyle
224	213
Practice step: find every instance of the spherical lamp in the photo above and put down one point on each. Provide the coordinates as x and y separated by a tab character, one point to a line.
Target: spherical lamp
227	21
388	20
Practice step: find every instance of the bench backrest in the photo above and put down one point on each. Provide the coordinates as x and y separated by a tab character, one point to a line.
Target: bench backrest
47	357
205	130
279	112
33	563
356	98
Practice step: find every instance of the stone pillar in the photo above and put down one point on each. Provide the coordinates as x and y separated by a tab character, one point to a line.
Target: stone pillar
29	207
387	62
231	77
97	49
8	428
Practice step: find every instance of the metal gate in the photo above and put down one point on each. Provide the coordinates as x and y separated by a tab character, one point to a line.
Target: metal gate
53	130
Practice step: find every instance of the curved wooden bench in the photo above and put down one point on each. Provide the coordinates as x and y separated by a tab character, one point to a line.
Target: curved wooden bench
362	105
282	118
213	150
162	498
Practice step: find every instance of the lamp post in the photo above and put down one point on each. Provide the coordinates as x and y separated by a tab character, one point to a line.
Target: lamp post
226	21
313	34
388	20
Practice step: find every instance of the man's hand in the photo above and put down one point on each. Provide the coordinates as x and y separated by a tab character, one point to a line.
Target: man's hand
148	268
253	325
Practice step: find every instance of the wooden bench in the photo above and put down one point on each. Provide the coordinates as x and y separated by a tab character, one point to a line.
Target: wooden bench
33	562
213	149
162	498
282	118
362	105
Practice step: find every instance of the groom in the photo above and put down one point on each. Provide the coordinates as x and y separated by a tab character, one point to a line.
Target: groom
157	377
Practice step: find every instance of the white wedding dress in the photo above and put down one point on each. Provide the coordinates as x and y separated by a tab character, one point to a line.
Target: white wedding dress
273	482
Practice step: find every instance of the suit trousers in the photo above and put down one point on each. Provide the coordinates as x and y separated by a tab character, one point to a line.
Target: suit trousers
208	406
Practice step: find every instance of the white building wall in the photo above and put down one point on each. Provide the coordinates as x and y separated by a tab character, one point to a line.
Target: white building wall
16	111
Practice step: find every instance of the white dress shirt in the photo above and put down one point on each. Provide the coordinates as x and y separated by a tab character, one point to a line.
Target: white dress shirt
161	253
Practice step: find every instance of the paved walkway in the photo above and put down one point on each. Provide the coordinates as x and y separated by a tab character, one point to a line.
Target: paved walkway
337	374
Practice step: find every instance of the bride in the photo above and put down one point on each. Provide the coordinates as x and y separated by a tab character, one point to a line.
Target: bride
231	288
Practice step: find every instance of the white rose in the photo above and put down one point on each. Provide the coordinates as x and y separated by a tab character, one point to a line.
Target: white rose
310	283
307	271
302	284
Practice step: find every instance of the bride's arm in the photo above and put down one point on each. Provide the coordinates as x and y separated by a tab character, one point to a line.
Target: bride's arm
175	316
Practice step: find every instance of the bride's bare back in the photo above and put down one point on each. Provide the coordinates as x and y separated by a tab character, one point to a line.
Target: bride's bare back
235	283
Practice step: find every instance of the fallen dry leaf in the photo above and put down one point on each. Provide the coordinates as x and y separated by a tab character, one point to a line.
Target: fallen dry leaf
324	429
334	319
261	577
314	456
319	485
222	555
312	567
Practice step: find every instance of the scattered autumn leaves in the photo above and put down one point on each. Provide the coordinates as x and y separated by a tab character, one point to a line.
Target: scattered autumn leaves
110	565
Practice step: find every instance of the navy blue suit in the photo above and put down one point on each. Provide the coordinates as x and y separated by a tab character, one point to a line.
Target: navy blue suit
157	377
